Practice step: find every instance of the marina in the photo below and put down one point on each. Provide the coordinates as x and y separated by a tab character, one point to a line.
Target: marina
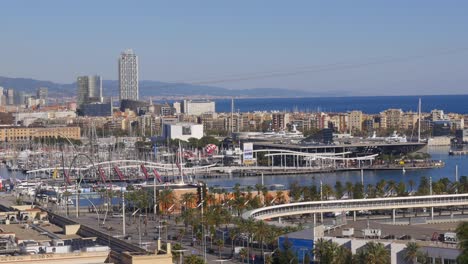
286	175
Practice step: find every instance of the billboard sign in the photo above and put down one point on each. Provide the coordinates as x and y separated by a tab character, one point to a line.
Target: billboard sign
248	153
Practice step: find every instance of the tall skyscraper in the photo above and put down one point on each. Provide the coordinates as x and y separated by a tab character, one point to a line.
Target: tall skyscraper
89	89
10	96
128	75
95	88
2	97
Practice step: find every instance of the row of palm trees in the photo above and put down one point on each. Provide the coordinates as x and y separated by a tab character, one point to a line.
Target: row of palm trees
383	188
328	252
240	200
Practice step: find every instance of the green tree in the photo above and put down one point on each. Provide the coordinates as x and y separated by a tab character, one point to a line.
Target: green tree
193	259
280	199
286	255
343	256
258	188
176	253
167	198
370	191
411	185
424	186
462	236
380	188
401	189
220	244
339	189
295	191
327	191
372	253
233	233
358	191
243	254
261	232
208	140
412	252
349	189
391	186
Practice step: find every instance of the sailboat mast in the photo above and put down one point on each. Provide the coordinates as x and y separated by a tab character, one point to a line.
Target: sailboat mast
232	115
419	121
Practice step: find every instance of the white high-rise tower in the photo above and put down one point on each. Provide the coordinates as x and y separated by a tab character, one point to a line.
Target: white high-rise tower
128	75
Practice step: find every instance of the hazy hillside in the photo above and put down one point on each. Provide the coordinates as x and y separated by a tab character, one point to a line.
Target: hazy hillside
150	88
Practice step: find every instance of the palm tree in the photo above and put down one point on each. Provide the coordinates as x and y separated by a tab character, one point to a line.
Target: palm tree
233	233
401	189
259	188
236	191
239	203
248	227
243	253
411	184
343	256
339	189
175	252
188	199
167	198
320	250
380	188
411	252
391	186
349	189
220	244
280	197
327	191
462	236
370	191
261	232
372	253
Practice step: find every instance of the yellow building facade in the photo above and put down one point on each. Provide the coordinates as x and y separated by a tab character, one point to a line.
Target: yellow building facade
16	133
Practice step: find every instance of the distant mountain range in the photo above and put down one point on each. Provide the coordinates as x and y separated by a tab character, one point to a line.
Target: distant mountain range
157	89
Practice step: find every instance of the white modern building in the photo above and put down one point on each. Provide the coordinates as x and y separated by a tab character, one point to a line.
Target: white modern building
128	76
198	107
183	131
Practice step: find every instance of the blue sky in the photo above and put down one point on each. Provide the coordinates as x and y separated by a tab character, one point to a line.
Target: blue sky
214	40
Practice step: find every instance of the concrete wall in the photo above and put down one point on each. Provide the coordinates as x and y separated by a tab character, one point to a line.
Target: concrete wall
71	229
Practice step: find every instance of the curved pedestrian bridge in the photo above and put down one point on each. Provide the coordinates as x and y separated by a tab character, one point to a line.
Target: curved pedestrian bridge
351	205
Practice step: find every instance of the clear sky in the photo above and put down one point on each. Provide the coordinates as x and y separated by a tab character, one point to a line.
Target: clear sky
220	40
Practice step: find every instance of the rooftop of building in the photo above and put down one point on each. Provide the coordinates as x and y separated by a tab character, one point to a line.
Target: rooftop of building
301	234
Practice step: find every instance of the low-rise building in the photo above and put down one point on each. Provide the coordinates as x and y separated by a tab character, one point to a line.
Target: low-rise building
20	133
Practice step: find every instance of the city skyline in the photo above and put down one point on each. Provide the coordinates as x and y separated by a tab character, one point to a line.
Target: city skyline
367	48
